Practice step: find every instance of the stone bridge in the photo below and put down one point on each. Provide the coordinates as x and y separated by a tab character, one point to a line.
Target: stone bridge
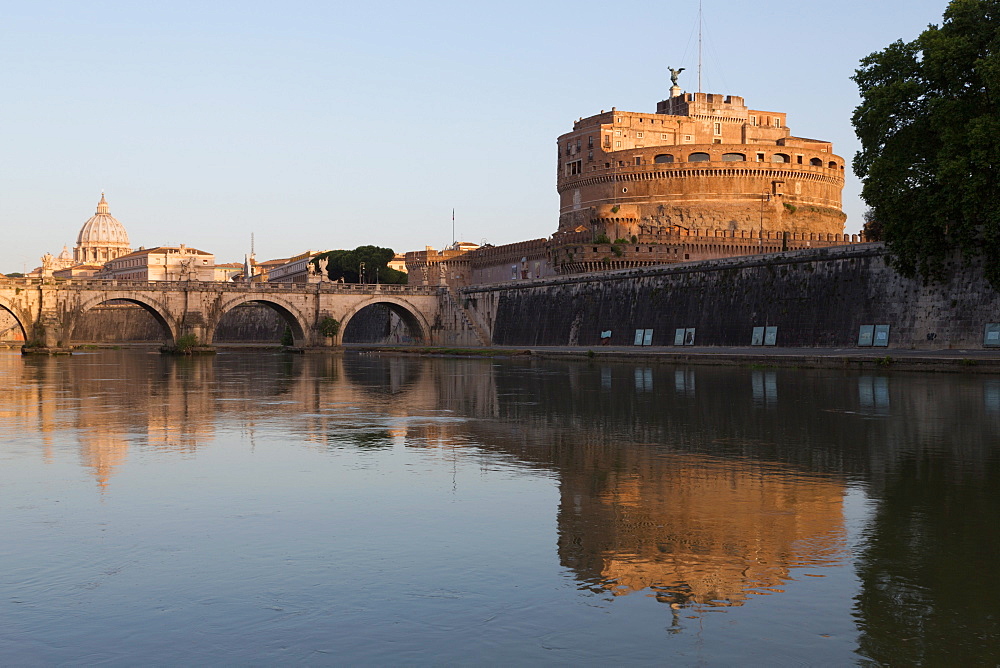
48	310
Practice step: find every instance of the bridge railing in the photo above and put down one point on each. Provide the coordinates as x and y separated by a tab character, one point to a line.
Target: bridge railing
211	286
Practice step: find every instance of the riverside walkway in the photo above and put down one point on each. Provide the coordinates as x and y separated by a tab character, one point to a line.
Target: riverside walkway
898	359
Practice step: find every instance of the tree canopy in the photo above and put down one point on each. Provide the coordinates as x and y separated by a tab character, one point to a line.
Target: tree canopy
929	125
346	264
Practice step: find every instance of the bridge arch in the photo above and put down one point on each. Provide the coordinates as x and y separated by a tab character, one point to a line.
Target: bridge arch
160	312
291	314
21	318
414	320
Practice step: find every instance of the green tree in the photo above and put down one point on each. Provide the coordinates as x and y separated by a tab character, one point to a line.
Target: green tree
872	228
347	264
929	125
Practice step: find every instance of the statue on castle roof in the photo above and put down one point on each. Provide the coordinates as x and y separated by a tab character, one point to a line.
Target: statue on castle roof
674	74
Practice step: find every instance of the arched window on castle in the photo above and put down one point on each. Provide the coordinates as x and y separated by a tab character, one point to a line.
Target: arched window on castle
699	157
733	157
816	162
664	157
780	157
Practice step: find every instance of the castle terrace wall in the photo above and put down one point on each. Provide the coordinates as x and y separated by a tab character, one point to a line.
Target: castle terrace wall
576	252
816	298
520	260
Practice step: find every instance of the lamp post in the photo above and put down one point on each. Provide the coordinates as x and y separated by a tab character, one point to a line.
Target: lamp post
361	273
765	197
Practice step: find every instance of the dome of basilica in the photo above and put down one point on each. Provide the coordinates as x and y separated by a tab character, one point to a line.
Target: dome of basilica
102	228
101	238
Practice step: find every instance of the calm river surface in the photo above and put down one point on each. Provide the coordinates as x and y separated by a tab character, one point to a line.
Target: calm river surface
261	508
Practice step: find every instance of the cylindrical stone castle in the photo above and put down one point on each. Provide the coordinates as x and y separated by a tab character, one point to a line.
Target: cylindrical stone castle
702	163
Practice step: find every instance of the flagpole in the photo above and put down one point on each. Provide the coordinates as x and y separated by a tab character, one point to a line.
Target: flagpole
699	45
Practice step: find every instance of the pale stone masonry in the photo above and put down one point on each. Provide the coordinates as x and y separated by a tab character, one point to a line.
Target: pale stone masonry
163	263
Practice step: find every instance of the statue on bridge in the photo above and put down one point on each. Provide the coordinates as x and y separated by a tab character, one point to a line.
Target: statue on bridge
48	264
188	272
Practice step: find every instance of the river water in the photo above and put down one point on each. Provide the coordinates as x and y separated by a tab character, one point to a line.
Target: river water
261	508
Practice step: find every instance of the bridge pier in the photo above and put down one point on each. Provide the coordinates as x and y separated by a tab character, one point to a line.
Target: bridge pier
45	336
193	324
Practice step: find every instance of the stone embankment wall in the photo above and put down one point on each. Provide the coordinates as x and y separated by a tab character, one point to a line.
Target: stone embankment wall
10	331
377	324
117	323
129	323
249	323
816	298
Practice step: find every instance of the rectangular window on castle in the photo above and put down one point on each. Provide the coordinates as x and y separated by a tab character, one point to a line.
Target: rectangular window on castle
753	119
638	160
718	128
618	144
664	136
640	135
777	122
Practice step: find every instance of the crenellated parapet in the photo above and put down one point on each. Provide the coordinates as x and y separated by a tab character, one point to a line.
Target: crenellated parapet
584	251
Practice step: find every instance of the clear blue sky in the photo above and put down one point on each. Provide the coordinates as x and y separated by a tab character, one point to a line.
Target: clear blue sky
322	125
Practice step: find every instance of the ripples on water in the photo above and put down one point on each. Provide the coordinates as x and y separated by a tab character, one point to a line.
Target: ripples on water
264	508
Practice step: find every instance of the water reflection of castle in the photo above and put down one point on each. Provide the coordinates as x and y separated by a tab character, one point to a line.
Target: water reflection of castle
698	530
695	529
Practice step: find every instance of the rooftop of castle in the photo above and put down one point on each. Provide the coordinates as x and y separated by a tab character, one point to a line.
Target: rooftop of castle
692	105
